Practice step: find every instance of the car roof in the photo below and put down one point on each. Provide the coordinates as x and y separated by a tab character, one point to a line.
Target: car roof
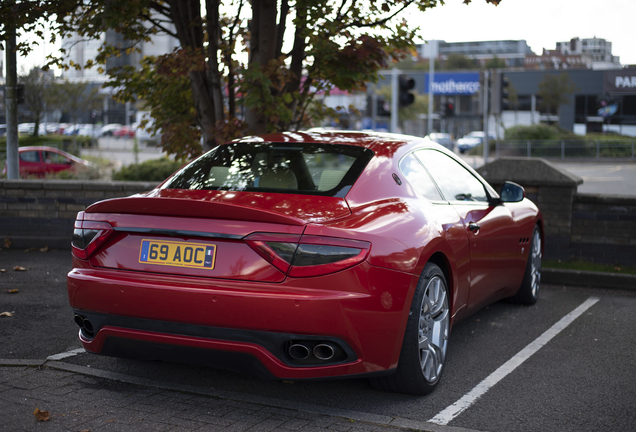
382	144
50	149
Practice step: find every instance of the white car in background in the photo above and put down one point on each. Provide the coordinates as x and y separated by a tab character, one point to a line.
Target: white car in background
472	140
443	139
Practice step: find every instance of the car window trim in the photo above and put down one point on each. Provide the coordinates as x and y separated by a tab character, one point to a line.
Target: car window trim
436	202
493	198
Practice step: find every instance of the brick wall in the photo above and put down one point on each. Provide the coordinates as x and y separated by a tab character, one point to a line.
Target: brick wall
37	213
595	228
604	229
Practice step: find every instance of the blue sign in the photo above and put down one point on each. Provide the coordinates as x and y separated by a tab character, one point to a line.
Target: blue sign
455	83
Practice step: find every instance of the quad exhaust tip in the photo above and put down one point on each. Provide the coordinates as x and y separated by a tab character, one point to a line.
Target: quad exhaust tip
84	324
321	351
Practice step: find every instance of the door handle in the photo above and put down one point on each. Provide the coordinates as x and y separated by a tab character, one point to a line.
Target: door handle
474	227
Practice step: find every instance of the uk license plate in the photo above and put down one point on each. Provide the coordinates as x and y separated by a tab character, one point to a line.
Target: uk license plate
178	254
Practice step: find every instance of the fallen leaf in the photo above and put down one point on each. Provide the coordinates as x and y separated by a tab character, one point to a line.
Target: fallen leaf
12	291
7	314
44	249
85	430
41	415
7	243
20	268
3	270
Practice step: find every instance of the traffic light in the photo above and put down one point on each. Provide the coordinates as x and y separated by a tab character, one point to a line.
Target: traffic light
505	83
449	109
383	108
406	84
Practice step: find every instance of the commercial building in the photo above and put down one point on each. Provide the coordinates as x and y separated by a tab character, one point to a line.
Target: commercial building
599	50
80	50
513	52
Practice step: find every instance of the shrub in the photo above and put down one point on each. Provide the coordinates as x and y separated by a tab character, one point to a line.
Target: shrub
152	170
534	132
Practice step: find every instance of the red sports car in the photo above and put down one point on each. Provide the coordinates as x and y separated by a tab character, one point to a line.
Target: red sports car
304	255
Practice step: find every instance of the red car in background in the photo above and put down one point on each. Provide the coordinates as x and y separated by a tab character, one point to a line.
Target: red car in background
305	255
39	161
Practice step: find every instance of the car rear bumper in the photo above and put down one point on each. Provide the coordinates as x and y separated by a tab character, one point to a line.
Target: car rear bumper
246	326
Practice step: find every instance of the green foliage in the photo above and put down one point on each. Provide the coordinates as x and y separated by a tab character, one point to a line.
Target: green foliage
459	62
163	86
198	90
555	90
582	265
538	132
59	141
152	170
495	63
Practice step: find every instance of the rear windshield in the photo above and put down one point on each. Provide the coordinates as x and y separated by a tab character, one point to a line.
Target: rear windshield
312	169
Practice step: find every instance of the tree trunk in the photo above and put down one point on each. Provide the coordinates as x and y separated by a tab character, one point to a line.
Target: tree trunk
186	16
262	49
296	66
214	37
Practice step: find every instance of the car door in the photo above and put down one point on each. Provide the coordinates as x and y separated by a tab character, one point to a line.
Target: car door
30	163
55	162
491	230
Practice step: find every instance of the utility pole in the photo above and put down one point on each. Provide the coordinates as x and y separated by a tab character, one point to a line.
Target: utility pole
431	94
11	103
486	93
395	73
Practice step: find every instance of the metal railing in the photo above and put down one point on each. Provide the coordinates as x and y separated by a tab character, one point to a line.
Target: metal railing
567	149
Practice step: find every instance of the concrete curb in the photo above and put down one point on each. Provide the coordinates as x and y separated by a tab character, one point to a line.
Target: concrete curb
588	279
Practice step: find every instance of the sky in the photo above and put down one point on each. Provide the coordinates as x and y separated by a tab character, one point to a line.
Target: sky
541	23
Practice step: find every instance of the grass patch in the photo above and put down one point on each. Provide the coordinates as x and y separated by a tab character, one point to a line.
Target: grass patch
589	266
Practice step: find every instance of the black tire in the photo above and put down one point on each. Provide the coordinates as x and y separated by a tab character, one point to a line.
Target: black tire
420	366
528	292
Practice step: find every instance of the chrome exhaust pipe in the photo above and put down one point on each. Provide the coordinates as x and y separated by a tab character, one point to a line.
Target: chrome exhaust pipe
88	326
79	321
324	352
298	352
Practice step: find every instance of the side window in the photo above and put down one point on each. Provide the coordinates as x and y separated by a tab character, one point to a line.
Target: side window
419	178
455	181
30	156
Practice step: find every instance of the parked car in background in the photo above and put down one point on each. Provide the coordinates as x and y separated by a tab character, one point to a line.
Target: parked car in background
82	129
109	129
304	255
39	161
472	140
125	132
442	138
3	130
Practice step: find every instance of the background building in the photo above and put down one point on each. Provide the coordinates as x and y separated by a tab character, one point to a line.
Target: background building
513	52
599	50
80	50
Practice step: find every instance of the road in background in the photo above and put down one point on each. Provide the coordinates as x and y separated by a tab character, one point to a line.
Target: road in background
604	178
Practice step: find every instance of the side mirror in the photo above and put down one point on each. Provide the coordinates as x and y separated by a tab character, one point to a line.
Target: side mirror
512	192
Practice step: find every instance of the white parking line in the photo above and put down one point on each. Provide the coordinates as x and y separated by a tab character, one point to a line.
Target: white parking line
449	413
66	354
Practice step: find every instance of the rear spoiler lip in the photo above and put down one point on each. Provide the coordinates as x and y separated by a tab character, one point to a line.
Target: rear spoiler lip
178	233
162	206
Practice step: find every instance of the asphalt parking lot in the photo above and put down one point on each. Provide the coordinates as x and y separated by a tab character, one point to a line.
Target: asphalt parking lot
566	364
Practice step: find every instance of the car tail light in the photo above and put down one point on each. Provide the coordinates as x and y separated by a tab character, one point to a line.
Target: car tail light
88	236
305	256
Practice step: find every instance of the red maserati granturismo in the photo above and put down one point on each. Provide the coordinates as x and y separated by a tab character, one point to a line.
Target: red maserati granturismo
305	255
